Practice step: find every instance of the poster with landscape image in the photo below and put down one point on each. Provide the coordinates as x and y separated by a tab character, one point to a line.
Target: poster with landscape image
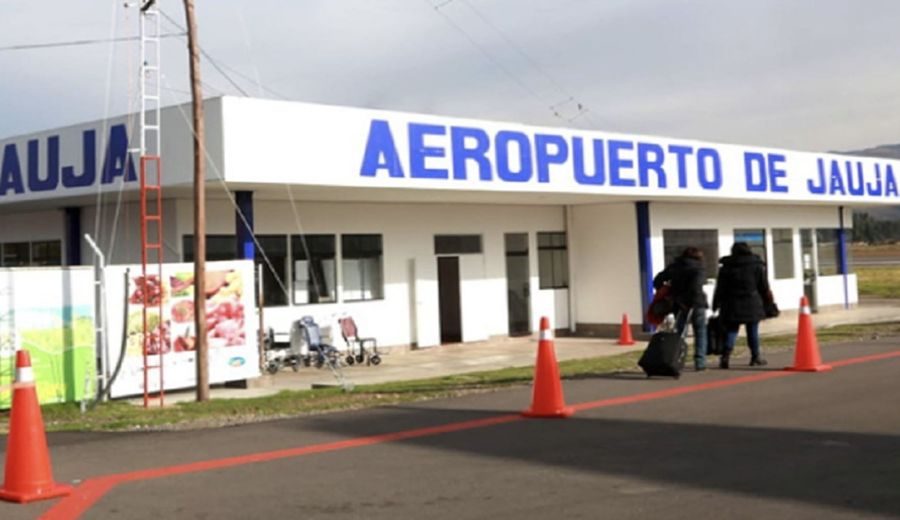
50	313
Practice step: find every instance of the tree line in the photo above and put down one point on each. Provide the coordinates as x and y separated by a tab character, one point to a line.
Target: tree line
871	230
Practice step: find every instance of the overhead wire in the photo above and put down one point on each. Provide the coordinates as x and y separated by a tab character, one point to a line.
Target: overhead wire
207	56
554	108
204	83
221	66
247	78
104	143
98	205
214	167
482	50
132	98
317	284
581	106
248	44
131	115
74	43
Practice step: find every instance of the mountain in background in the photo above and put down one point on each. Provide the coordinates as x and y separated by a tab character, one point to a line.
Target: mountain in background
885	151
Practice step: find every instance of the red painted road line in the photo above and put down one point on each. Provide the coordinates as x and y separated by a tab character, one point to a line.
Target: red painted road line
864	359
92	490
672	392
82	498
315	448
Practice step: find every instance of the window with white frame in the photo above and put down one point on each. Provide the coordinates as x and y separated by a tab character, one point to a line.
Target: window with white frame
218	247
783	253
315	268
37	253
755	238
361	268
675	241
46	252
827	252
553	260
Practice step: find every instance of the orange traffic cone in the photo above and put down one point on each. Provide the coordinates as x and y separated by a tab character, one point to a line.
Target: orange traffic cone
625	332
806	353
28	475
547	397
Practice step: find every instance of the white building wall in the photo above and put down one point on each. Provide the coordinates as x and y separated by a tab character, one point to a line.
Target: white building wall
32	226
409	311
606	263
116	228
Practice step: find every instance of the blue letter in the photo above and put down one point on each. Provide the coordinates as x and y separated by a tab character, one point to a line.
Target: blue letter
776	172
117	162
69	179
380	151
876	188
503	167
836	182
544	158
681	153
646	164
35	183
418	152
458	136
617	163
856	189
581	177
890	184
751	159
820	189
716	181
11	172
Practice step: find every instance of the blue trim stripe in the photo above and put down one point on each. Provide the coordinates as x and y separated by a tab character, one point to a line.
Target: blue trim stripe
842	255
645	258
244	232
73	235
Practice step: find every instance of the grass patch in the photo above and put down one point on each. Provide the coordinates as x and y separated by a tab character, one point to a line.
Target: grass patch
879	282
122	416
864	251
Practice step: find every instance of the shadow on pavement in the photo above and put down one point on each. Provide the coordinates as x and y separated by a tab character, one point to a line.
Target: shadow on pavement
624	375
851	471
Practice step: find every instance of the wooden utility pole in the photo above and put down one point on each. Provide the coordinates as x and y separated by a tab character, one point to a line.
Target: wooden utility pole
202	348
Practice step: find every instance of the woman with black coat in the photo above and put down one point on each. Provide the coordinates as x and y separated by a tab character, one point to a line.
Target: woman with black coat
686	276
741	288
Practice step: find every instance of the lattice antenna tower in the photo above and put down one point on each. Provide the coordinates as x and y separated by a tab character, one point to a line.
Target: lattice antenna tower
155	335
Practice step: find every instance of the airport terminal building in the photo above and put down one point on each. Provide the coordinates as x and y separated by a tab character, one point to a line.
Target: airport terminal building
430	229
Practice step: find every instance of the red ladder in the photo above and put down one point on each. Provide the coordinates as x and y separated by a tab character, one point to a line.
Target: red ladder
155	338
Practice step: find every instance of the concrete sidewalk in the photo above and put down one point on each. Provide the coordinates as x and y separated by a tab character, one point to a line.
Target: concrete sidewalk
401	364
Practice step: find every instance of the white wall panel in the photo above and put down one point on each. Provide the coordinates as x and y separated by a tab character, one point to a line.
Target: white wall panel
606	263
475	306
33	225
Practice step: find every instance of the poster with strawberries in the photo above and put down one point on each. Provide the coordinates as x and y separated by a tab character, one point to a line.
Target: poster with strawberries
172	336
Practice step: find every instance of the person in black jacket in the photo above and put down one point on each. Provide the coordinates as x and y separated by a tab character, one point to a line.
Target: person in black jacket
741	287
686	276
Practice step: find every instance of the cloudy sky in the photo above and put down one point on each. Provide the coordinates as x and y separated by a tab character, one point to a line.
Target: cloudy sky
812	75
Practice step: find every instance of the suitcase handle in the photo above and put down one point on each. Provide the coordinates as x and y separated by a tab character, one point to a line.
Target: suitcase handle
687	321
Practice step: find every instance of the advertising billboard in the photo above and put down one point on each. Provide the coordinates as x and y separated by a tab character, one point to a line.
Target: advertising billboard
231	337
50	313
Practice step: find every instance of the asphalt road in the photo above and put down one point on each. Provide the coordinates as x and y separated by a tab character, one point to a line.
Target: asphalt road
743	443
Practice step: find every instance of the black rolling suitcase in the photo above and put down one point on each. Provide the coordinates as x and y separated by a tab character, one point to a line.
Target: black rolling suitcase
715	333
665	354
